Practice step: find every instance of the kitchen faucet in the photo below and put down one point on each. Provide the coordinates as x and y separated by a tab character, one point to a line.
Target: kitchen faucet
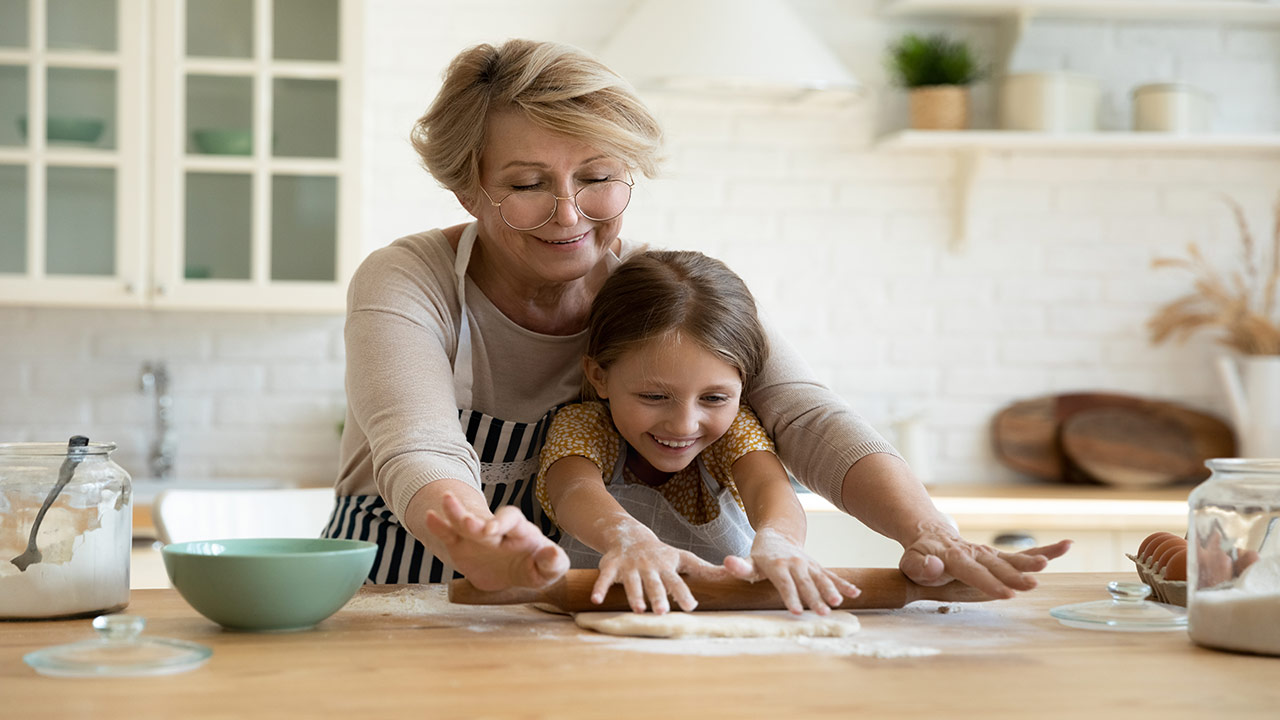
155	380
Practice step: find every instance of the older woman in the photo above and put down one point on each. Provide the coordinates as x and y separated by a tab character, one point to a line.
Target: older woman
461	343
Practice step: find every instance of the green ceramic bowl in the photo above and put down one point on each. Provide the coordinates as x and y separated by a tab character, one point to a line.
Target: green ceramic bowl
223	142
268	584
67	129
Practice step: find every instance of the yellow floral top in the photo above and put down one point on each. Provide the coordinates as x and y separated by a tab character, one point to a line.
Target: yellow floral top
586	430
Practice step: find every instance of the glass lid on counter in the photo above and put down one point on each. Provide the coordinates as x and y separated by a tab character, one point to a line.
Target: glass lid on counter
1128	610
119	650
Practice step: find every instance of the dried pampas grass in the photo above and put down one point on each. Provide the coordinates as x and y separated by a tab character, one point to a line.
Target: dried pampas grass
1242	304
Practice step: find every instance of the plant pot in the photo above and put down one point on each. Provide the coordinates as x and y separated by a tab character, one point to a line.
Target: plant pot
1049	102
940	107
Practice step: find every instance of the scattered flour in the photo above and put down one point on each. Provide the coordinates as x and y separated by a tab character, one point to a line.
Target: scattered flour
720	624
1243	617
411	600
723	647
431	602
884	650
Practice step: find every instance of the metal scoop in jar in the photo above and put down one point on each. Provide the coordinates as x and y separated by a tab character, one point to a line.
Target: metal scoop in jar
75	454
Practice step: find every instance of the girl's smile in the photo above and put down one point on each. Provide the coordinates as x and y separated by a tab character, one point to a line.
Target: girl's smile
670	398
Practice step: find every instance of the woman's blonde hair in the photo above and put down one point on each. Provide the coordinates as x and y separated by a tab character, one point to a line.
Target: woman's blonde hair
659	292
558	87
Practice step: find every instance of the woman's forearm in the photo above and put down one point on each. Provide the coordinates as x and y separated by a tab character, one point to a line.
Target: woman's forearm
429	497
881	491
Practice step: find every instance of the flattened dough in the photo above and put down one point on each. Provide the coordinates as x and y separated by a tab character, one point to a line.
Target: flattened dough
720	624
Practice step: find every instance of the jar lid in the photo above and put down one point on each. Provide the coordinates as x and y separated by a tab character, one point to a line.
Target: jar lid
118	650
53	449
1128	610
1169	87
1054	76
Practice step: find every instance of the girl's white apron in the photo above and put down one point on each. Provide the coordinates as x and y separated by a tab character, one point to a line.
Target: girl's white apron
728	534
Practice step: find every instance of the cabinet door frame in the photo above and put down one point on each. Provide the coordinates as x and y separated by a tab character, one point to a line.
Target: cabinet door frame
170	289
126	286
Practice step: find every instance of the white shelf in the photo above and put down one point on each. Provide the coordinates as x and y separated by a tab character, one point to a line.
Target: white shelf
1216	10
972	146
979	140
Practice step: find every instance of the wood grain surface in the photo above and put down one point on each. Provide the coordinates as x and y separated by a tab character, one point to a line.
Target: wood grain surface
404	651
1141	446
1119	439
882	588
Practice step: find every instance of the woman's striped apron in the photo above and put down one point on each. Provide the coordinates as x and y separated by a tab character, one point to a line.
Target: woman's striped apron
508	470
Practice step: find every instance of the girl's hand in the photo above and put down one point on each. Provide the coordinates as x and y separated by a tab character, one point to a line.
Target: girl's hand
799	579
495	553
939	555
649	569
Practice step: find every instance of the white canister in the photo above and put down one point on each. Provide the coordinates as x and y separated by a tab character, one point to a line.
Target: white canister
1049	102
1170	107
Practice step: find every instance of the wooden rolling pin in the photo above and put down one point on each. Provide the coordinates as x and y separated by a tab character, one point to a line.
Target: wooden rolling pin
881	588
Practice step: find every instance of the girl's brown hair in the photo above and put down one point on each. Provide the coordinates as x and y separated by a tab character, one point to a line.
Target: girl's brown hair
558	87
660	291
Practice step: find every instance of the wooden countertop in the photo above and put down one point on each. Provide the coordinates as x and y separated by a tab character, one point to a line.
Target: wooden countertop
410	653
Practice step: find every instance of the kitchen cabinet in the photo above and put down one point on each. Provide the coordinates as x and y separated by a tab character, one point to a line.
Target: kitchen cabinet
1105	523
1012	17
195	154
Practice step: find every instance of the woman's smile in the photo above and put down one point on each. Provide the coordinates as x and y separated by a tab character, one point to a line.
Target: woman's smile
567	241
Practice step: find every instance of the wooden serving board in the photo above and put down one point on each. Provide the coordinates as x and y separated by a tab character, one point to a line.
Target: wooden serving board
1127	438
1145	446
881	588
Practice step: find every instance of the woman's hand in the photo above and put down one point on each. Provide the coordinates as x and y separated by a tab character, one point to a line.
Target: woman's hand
799	579
505	550
939	555
649	569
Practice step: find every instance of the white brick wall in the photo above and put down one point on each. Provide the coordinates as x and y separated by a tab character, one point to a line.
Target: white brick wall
253	396
845	246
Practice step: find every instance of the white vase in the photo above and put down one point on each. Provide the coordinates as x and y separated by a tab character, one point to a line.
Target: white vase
1252	385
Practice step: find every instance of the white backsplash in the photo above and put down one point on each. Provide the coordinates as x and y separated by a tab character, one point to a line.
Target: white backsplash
845	246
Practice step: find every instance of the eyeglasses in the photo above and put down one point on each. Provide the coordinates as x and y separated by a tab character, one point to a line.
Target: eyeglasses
525	210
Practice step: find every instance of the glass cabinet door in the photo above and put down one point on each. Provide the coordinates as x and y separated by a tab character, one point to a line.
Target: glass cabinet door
71	103
179	153
257	155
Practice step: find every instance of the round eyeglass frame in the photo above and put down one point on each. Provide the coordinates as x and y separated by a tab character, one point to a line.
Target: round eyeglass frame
629	182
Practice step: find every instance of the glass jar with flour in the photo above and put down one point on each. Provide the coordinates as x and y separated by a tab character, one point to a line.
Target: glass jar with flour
1233	568
66	526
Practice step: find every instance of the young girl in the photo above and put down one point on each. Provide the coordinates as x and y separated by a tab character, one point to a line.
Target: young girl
662	470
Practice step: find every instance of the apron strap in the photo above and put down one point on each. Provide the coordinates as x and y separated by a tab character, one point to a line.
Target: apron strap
463	374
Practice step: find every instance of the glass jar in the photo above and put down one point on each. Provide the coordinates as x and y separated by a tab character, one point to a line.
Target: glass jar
1233	563
83	540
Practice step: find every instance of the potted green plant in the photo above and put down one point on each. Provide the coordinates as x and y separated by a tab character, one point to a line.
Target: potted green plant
937	71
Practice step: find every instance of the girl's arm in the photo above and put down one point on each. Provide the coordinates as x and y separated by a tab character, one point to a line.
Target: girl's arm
632	554
778	550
